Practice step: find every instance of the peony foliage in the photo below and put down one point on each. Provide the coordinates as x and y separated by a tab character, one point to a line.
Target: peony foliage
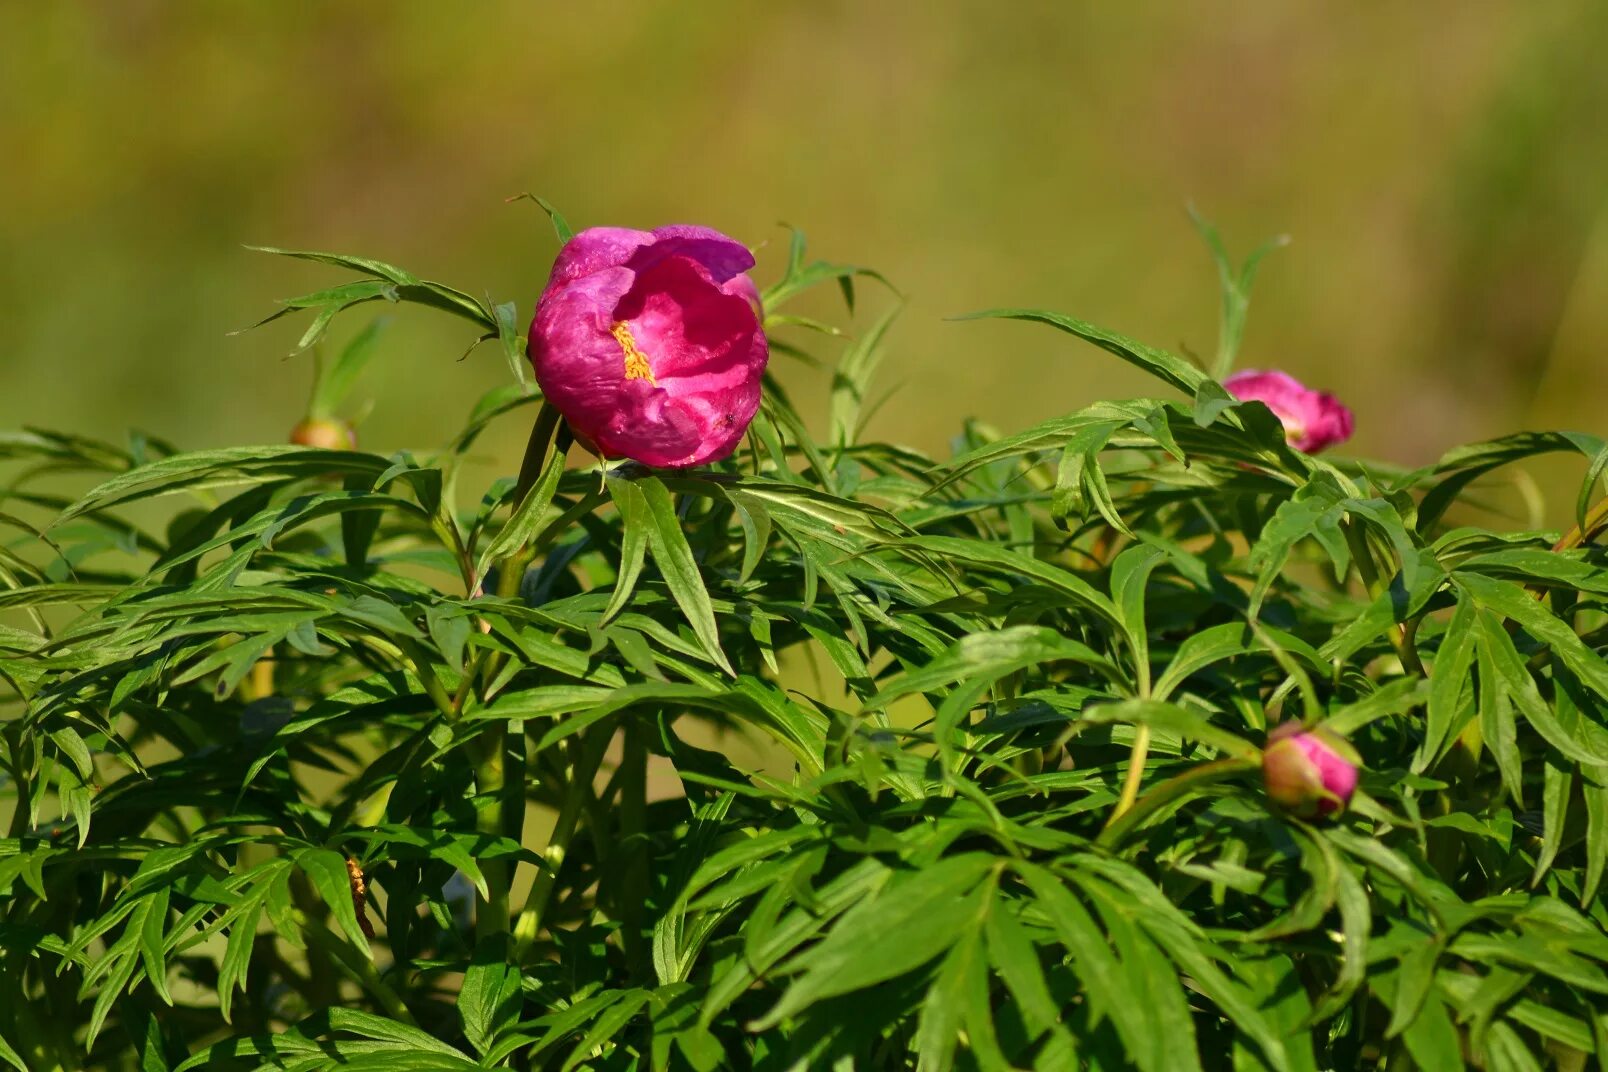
827	755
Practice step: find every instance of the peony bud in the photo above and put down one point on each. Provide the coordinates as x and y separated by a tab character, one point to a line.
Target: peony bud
1312	419
650	345
1309	772
325	432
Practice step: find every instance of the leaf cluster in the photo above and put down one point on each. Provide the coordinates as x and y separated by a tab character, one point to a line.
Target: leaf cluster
830	756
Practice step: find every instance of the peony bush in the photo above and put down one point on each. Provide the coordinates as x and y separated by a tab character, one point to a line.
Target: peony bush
727	736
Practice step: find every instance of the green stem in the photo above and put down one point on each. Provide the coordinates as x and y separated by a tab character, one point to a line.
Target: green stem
500	808
1409	647
584	757
633	884
1596	522
19	779
1135	775
491	911
1141	746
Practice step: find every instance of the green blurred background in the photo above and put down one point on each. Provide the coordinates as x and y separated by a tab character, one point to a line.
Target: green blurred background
1441	166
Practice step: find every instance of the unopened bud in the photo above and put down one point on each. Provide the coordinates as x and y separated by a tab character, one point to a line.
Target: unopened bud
325	433
1309	772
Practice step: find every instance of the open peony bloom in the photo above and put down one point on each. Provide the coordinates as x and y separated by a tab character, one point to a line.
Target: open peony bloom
1309	772
649	343
1312	419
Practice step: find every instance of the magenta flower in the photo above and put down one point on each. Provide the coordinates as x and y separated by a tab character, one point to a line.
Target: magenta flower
1312	419
650	345
1309	772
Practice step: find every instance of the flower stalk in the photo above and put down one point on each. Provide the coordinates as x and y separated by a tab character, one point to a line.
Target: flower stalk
500	807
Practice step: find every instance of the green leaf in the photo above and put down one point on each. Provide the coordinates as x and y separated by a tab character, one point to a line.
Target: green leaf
529	514
204	469
1462	465
1200	650
244	919
409	286
491	996
1169	1042
606	1027
635	525
1109	989
1164	366
337	378
1448	684
1497	726
1295	519
673	556
1511	601
513	343
871	942
1432	1039
1130	576
1594	791
1175	719
851	379
1414	978
449	629
1557	783
561	226
11	1056
987	656
1356	917
1235	288
327	870
1073	491
1017	962
943	1010
755	521
1499	656
358	1022
1005	560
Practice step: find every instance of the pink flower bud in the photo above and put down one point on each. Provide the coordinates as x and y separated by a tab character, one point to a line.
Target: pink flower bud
326	433
1312	419
1309	772
650	345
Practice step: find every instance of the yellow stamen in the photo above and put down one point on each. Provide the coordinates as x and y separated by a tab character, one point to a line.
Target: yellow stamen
636	362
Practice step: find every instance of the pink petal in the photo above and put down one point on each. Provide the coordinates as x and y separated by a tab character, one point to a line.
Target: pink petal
594	250
723	257
1313	419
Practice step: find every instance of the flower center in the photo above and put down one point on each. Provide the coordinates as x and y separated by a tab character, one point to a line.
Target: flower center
636	362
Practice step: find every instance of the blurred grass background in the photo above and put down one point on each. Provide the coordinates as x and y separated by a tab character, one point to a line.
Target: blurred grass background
1440	167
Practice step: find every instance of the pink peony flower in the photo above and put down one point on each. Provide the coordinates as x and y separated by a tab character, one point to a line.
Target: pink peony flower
1309	772
1312	419
649	343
